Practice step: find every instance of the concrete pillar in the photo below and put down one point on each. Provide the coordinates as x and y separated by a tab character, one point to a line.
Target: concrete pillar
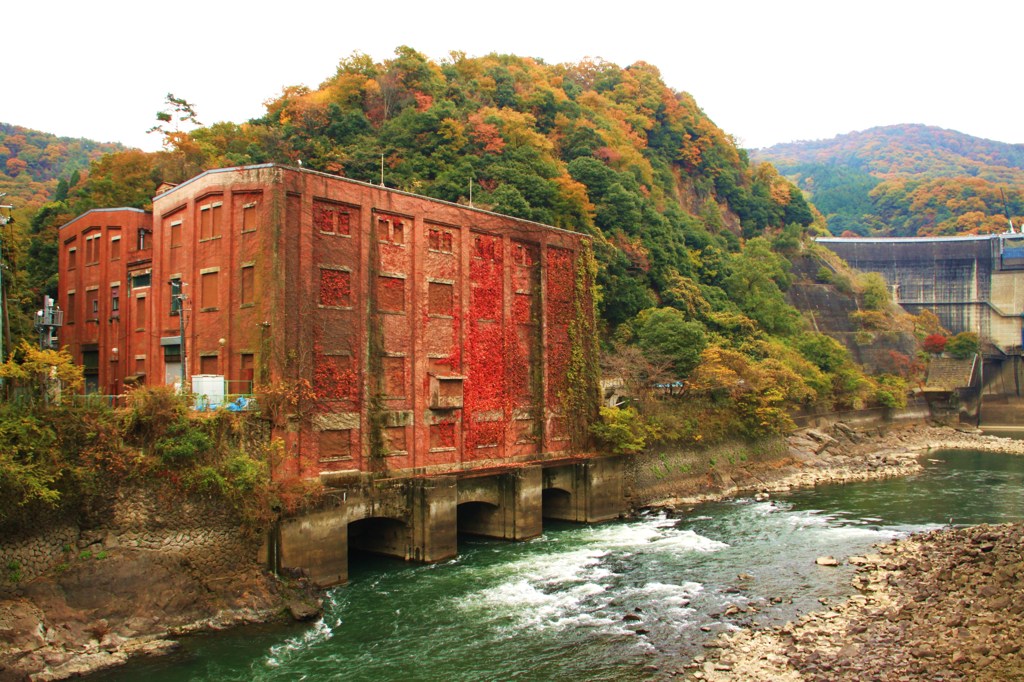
504	506
317	543
602	484
585	492
433	519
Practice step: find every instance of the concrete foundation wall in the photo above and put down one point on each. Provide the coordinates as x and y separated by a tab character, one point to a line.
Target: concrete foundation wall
418	519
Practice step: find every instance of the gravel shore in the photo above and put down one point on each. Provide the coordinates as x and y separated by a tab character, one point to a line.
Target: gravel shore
943	605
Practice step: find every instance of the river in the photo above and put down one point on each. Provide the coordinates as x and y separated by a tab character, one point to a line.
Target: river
629	600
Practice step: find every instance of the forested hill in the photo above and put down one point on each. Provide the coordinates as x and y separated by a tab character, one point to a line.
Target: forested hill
31	162
907	180
692	240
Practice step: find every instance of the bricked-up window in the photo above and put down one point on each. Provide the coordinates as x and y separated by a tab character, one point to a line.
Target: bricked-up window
394	383
72	258
439	298
248	284
332	218
523	255
175	296
140	313
69	314
209	296
440	240
210	217
395	438
175	234
208	364
390	294
442	436
115	248
249	217
247	365
115	302
335	445
335	287
391	230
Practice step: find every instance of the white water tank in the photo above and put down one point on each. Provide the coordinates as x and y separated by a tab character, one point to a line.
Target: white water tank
208	390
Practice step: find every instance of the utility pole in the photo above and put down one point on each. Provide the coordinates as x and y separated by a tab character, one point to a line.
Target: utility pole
4	219
180	297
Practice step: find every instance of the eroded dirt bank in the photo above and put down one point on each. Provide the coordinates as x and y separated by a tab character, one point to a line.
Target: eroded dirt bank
944	605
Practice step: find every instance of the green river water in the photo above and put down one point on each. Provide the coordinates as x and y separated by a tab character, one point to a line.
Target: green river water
554	608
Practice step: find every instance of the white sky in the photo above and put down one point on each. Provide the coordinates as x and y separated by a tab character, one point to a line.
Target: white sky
765	72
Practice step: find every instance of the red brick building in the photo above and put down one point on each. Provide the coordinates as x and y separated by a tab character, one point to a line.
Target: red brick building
101	253
419	334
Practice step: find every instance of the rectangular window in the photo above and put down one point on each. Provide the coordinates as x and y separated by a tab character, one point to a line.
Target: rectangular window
115	302
142	279
394	377
394	436
208	364
442	436
69	314
176	296
249	217
331	218
335	445
140	313
92	304
439	298
210	220
391	230
175	234
248	284
335	287
390	294
115	248
439	240
209	297
72	258
247	364
92	249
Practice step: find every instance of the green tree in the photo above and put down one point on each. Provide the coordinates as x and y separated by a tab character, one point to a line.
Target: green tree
665	333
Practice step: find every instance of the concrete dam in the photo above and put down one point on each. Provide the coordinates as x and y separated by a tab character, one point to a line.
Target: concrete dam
972	283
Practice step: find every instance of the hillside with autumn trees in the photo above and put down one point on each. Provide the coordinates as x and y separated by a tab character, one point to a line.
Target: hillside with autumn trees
692	240
907	180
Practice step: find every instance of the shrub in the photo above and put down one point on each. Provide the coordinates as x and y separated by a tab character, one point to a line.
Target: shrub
622	430
963	345
934	343
876	291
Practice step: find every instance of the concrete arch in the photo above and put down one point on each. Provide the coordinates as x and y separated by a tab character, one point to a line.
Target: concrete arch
479	518
380	535
557	503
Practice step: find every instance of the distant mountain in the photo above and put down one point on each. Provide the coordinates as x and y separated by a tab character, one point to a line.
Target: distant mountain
906	180
31	162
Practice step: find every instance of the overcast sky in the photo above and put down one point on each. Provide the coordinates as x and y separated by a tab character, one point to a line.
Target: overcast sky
765	72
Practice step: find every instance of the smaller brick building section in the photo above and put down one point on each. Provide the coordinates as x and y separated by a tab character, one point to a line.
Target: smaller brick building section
421	335
104	262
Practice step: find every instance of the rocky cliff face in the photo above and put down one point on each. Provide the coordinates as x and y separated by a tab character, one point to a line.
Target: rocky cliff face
830	311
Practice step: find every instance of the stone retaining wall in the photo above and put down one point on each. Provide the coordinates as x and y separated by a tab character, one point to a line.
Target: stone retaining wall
202	532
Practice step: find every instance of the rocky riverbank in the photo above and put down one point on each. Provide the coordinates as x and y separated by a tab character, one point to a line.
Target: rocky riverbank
944	605
98	612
